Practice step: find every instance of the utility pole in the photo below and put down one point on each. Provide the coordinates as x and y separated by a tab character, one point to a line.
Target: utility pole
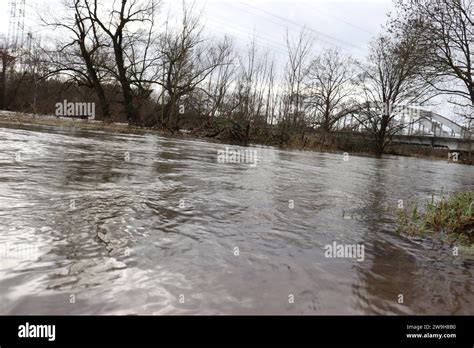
12	46
12	33
16	26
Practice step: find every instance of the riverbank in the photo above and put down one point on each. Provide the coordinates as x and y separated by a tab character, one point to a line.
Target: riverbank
333	143
449	220
10	117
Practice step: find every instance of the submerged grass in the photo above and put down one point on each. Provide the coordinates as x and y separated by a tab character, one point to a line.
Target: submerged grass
450	219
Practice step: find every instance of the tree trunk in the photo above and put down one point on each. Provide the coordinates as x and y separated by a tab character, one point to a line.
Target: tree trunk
247	133
132	114
381	135
96	85
3	81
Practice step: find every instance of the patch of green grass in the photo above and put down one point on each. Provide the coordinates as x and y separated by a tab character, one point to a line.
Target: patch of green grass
449	219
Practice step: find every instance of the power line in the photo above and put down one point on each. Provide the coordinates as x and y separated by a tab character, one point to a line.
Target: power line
342	20
332	38
267	40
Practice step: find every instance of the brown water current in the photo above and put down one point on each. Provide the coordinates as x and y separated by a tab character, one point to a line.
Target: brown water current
102	223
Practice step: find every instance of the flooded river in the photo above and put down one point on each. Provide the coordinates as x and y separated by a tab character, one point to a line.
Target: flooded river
102	223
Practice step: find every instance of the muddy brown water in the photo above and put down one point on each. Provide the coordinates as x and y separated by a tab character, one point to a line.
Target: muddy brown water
102	223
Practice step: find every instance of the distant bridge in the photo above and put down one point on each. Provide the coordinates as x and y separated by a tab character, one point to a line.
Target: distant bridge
416	127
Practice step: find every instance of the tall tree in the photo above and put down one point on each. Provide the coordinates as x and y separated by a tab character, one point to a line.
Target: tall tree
122	26
187	60
249	97
216	89
329	87
78	51
391	80
6	61
445	30
299	50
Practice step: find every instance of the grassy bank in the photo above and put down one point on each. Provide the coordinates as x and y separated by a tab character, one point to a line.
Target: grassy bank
449	220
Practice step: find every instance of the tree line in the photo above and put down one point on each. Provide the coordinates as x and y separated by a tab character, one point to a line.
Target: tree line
141	67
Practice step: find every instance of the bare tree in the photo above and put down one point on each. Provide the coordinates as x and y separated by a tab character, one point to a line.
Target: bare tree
79	50
391	79
298	56
216	89
144	57
122	26
37	67
188	59
272	96
6	60
329	87
249	97
445	30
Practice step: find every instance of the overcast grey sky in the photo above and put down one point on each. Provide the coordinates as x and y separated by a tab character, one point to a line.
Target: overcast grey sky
347	24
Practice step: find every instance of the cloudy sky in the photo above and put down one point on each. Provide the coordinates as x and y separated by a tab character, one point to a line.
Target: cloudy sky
347	24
